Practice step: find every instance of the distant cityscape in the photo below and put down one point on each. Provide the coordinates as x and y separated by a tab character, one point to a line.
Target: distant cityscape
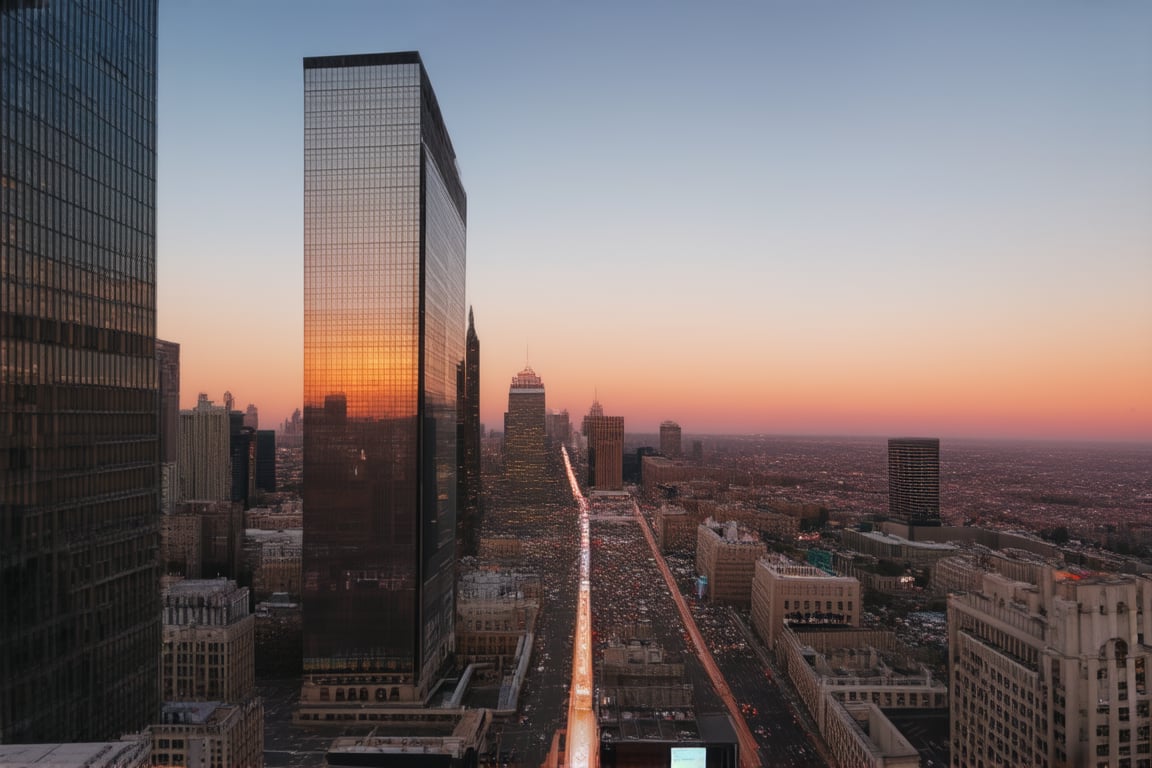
381	580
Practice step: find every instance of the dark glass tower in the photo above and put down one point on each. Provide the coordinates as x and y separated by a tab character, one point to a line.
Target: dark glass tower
468	496
79	452
525	435
384	241
914	480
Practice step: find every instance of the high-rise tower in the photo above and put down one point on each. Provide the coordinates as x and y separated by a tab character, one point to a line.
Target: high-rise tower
468	497
914	480
384	241
524	432
670	439
79	452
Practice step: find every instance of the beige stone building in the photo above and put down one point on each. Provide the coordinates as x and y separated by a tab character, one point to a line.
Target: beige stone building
273	559
494	613
784	592
209	735
727	557
845	677
675	529
1052	674
208	642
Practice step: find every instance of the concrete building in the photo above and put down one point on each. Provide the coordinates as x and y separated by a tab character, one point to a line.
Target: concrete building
495	613
675	529
133	751
209	643
1053	673
204	462
458	748
914	480
525	430
272	559
670	440
846	677
785	593
727	557
180	548
209	735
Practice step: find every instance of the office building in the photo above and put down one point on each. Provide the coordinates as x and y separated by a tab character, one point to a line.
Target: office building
252	417
559	427
785	593
265	475
384	314
605	449
203	463
208	651
670	439
468	495
1054	673
168	377
209	734
524	430
914	480
241	459
79	450
726	557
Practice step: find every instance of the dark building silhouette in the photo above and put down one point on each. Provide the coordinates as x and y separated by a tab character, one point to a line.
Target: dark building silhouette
266	460
468	494
914	480
524	430
168	376
670	440
79	452
242	456
384	268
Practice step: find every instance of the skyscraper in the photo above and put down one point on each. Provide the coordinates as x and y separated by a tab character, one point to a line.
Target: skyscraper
524	433
203	461
914	480
168	376
79	454
670	439
605	449
468	496
384	243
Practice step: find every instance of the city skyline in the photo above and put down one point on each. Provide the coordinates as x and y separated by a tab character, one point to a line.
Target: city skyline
884	220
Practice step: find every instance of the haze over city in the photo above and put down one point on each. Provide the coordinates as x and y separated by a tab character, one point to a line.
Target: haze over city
818	218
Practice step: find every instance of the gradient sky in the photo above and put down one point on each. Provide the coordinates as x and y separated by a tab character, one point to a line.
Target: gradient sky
795	217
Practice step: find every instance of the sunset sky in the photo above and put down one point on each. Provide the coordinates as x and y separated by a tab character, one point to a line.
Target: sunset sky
782	217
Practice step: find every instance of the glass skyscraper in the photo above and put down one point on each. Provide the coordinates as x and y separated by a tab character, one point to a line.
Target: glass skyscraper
79	453
384	259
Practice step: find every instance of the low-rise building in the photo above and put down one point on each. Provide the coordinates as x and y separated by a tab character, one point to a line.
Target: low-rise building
726	557
209	735
787	593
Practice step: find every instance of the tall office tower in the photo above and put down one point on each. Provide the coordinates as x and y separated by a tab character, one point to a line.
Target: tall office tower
79	453
468	495
524	436
605	451
384	242
242	458
558	427
252	417
229	401
595	412
1052	674
168	375
203	463
670	439
266	460
914	480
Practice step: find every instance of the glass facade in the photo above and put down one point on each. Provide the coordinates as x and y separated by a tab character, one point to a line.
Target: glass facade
914	480
384	242
79	487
